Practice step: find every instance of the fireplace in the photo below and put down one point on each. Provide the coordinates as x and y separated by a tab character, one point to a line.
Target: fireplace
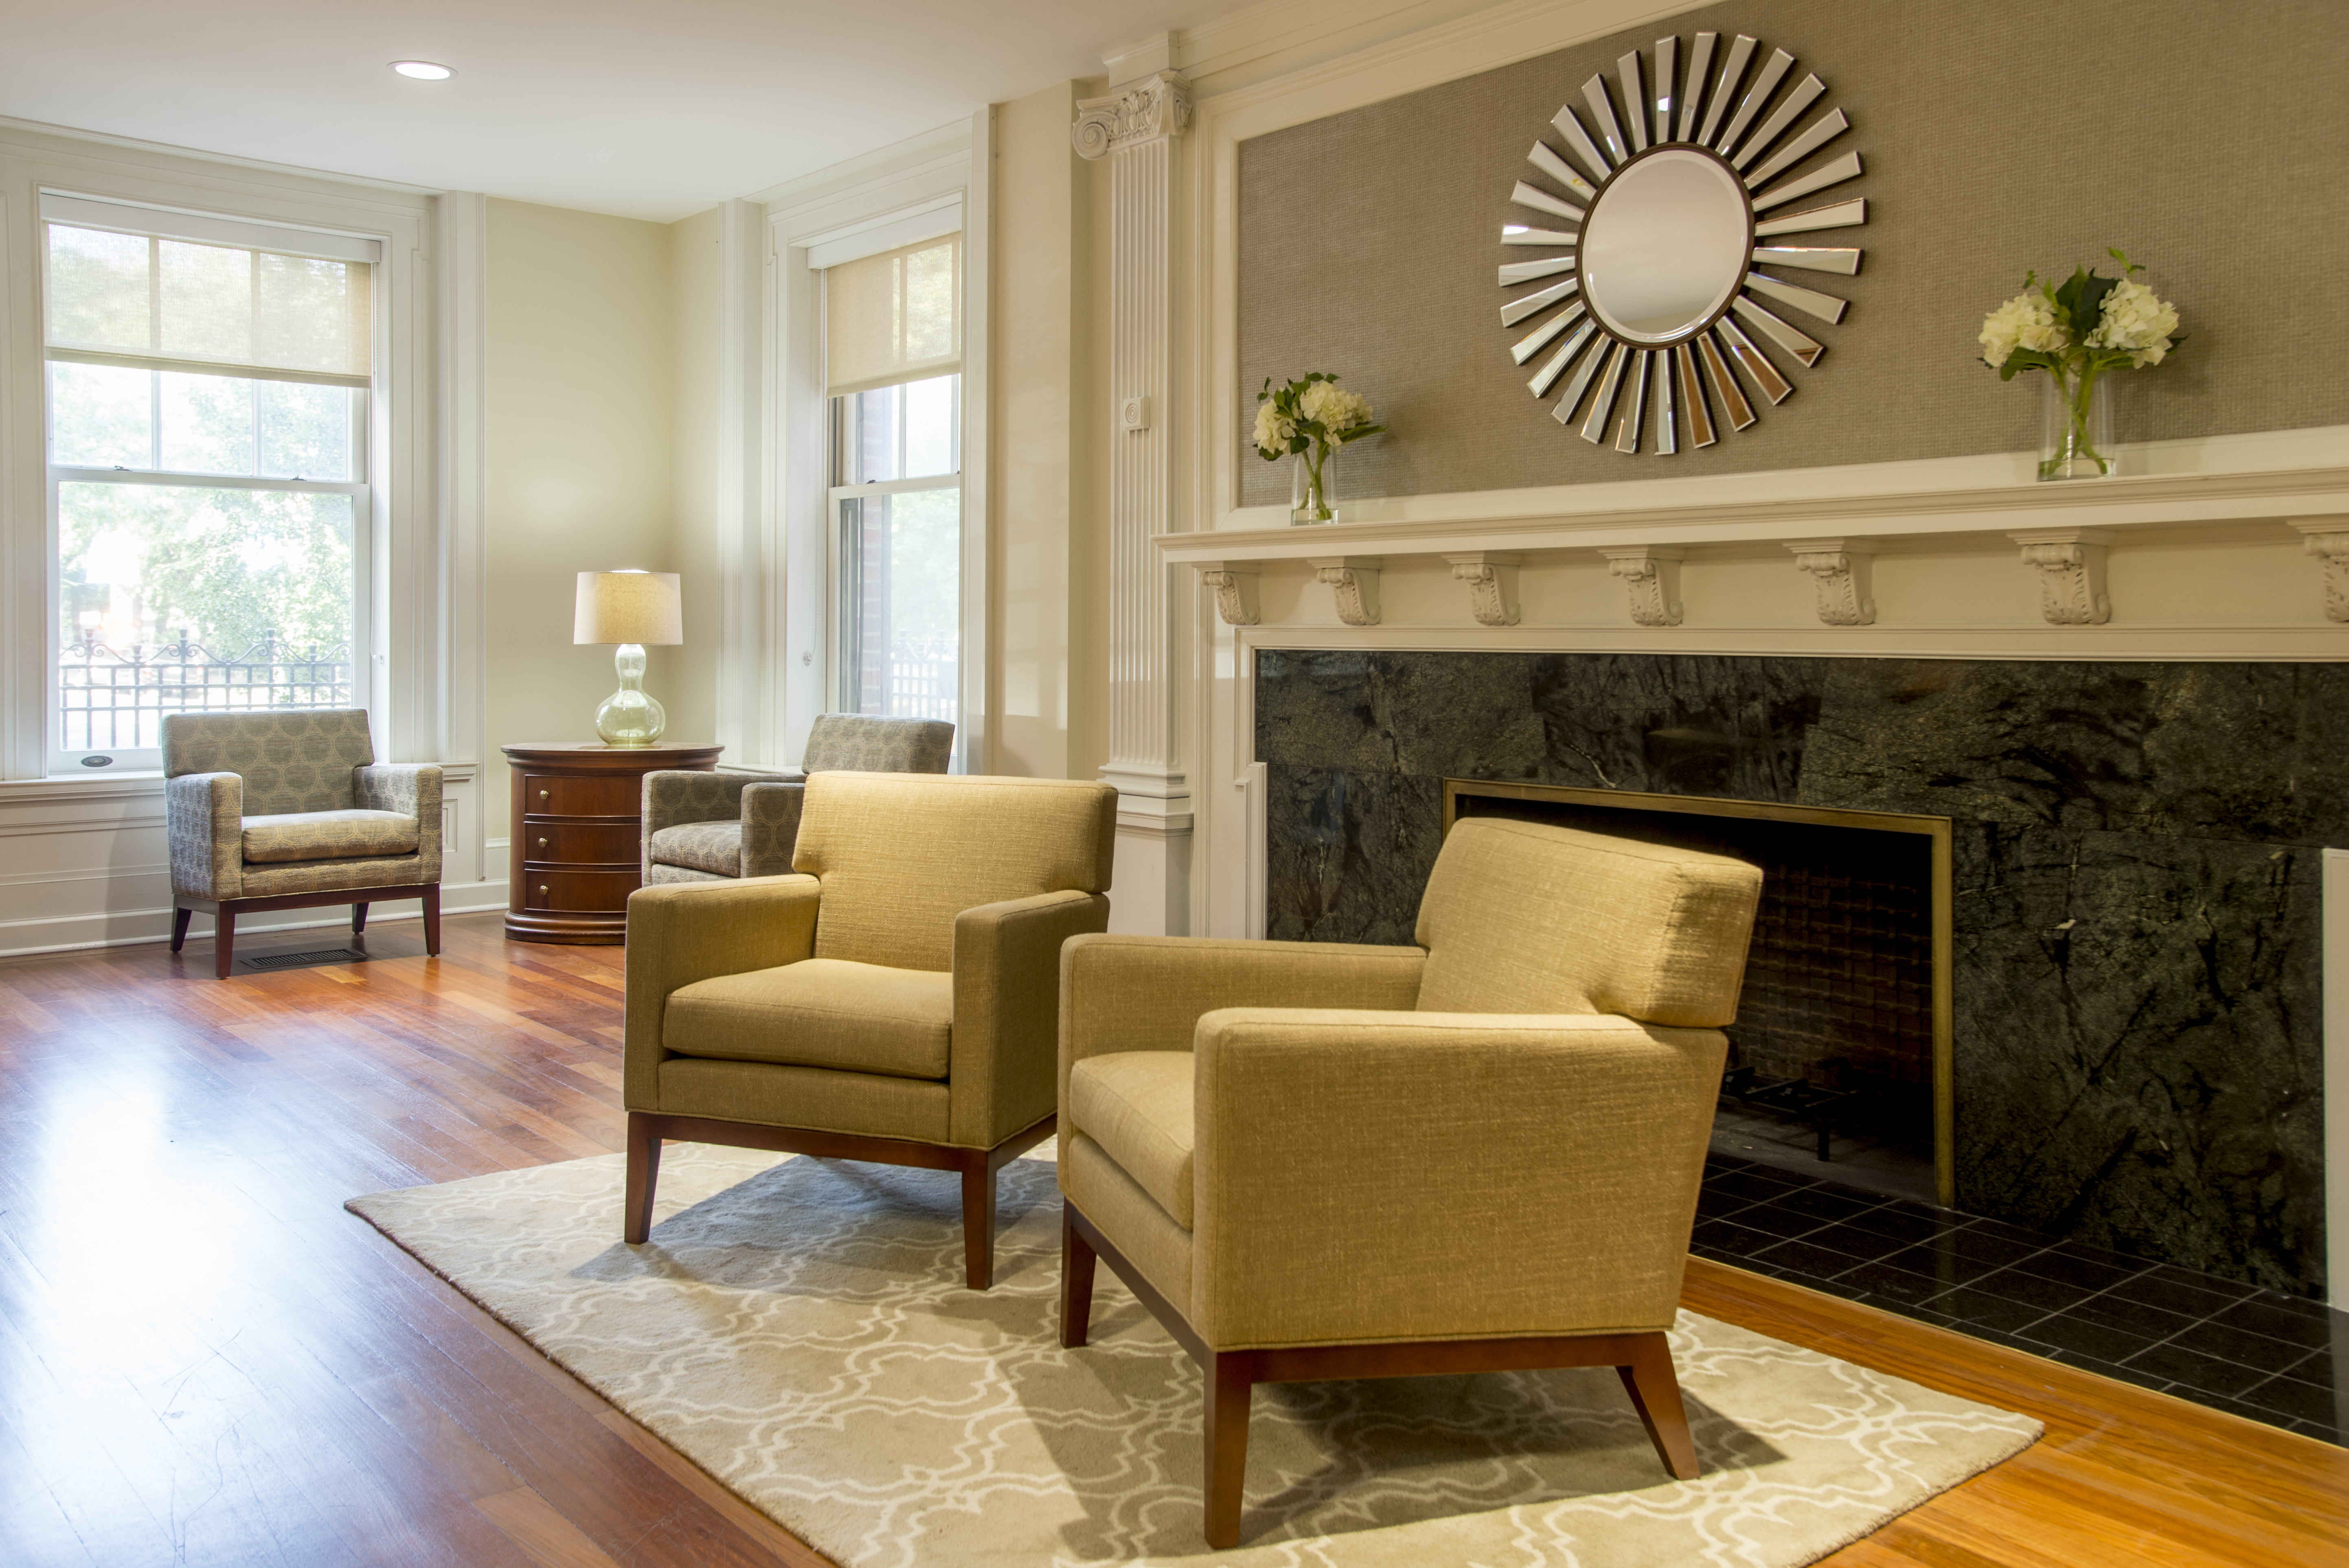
2132	1055
1844	1020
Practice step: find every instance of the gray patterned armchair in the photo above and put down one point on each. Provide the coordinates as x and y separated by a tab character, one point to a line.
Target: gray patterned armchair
290	810
715	827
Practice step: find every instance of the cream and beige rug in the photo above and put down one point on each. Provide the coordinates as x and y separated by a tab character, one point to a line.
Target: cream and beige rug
798	1328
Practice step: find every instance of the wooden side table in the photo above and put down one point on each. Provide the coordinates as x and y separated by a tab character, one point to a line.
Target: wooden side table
577	815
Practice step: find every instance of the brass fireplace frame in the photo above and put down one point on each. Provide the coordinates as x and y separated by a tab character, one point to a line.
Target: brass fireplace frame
1936	828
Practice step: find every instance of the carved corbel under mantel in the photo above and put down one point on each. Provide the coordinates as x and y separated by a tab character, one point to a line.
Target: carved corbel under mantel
1652	577
1354	581
2071	563
1492	579
1235	583
1152	108
1839	569
2327	539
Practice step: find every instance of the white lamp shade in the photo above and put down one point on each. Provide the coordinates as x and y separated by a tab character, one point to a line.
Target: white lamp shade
628	608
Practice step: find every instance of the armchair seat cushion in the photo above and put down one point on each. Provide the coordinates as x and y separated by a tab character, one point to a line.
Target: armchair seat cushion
328	835
1137	1105
712	847
819	1012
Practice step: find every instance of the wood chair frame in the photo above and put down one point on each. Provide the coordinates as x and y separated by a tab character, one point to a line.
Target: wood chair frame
1644	1362
978	1168
224	911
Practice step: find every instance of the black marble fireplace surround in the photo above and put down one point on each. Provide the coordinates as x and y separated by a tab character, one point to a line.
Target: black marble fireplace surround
2137	1043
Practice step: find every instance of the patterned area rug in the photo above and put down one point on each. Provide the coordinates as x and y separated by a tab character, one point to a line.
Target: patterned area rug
798	1328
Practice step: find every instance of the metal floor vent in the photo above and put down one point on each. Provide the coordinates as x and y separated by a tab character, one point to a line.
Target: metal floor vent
296	960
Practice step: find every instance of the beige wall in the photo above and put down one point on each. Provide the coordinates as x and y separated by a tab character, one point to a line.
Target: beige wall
1048	426
580	438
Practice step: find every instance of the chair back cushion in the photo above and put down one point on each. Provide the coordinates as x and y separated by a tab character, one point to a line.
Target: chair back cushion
901	855
1524	917
290	760
862	744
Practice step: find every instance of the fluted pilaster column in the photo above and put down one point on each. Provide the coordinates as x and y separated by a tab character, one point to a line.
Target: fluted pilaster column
1137	128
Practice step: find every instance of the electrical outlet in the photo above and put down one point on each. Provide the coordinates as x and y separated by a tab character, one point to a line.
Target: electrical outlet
1133	414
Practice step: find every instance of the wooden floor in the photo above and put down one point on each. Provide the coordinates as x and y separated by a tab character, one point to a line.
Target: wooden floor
203	1360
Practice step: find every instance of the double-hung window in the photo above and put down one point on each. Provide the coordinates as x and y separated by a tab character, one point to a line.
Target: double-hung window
893	339
207	398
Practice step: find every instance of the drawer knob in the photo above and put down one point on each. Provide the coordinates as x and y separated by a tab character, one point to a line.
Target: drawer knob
541	843
542	890
542	794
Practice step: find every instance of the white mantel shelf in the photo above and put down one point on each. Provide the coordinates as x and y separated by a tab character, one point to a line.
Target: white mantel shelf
1489	520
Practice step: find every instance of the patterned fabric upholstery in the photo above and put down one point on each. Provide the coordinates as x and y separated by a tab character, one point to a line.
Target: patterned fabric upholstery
328	835
220	766
290	762
770	828
656	873
712	847
677	797
861	743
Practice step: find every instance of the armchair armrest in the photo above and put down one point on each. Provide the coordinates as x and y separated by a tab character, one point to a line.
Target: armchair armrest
674	797
1496	1174
1148	993
204	818
683	932
770	826
412	790
1006	974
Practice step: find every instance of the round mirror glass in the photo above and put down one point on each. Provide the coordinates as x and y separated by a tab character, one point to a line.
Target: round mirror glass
1665	245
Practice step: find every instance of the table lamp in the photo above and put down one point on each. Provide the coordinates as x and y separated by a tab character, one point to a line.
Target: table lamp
630	608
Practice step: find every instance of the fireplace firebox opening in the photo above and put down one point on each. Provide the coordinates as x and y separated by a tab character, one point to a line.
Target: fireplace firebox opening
1844	1024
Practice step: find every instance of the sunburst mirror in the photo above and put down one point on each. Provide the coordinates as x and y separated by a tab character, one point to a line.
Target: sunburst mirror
1667	272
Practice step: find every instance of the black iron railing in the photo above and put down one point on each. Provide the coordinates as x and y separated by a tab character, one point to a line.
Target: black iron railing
113	699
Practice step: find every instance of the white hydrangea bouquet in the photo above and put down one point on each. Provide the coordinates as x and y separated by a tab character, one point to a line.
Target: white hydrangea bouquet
1310	418
2076	332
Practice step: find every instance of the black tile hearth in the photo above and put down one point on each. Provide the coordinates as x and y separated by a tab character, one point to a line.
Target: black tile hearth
2279	1359
2136	944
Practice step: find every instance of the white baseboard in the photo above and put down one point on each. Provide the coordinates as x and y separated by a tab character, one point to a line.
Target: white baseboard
129	928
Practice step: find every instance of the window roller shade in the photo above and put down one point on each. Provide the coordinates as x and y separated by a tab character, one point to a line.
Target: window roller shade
152	303
892	317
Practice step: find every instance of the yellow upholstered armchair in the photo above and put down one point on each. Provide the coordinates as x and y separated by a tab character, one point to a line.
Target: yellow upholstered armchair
289	810
1480	1153
894	1001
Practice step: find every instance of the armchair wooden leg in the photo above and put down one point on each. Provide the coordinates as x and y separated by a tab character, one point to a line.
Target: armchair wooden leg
224	942
359	918
1655	1393
644	1173
181	915
977	1222
1077	1257
1229	1393
432	920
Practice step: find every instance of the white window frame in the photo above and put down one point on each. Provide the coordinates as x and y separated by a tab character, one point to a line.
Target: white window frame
836	564
78	207
912	190
423	569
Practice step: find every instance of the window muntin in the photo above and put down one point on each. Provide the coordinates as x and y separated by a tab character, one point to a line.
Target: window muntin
207	419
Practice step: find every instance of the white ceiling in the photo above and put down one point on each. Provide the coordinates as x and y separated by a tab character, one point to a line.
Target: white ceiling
644	110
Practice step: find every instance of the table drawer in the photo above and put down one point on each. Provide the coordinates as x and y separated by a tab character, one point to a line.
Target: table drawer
552	795
578	893
579	843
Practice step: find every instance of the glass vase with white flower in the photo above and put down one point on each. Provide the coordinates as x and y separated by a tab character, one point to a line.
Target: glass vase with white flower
1310	419
2076	332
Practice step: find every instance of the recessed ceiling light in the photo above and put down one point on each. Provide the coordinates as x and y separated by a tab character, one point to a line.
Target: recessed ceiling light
423	70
